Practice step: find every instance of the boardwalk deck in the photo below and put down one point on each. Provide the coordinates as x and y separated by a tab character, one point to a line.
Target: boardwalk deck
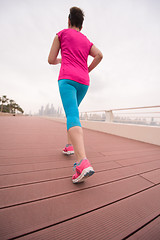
39	201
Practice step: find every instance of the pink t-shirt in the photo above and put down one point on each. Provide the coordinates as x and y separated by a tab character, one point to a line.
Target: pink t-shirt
75	48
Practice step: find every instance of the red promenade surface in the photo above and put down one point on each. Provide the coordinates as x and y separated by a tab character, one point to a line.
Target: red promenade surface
39	201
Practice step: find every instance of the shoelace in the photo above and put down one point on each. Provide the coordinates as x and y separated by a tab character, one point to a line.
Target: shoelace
67	145
77	164
74	166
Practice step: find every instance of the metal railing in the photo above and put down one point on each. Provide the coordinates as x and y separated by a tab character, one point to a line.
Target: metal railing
138	115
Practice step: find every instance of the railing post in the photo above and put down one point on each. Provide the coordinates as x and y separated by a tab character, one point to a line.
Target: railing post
109	116
85	116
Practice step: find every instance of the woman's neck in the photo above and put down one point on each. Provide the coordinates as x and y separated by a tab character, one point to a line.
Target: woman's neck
76	28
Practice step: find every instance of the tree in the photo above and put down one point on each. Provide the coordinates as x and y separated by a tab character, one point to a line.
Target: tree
4	99
19	109
11	102
11	107
15	107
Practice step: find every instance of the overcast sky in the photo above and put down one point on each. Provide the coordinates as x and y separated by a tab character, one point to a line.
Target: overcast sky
126	31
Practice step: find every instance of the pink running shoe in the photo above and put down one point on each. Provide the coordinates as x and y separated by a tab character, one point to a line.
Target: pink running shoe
83	170
68	150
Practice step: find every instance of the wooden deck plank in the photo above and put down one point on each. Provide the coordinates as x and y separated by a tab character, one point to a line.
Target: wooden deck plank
27	173
131	154
34	150
153	176
41	190
59	162
53	174
150	232
26	165
31	216
36	153
45	158
147	166
48	174
28	155
132	161
113	222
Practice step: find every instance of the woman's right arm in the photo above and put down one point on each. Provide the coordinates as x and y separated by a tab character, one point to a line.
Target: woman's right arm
97	55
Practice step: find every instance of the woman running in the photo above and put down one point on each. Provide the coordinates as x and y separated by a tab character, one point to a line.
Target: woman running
73	84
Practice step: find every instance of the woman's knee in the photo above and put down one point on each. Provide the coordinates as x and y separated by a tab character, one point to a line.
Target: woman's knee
73	121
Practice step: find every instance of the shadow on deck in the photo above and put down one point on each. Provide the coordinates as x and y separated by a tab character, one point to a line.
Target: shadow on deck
39	201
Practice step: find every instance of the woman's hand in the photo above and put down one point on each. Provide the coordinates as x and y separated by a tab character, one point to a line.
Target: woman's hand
52	58
57	61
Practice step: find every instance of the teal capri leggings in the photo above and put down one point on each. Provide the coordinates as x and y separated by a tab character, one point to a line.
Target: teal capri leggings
72	94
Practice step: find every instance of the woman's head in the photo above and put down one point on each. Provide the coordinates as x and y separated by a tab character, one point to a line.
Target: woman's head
76	17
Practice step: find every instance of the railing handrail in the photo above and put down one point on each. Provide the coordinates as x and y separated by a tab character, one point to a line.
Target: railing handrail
120	109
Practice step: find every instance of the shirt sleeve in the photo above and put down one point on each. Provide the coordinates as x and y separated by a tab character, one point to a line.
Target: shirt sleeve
60	35
90	44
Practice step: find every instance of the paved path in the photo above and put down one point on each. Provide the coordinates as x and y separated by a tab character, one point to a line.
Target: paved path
39	201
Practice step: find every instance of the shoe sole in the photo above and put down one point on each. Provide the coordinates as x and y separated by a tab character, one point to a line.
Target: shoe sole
68	152
87	172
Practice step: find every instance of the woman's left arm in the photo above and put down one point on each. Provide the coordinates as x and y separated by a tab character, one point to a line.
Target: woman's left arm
52	58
